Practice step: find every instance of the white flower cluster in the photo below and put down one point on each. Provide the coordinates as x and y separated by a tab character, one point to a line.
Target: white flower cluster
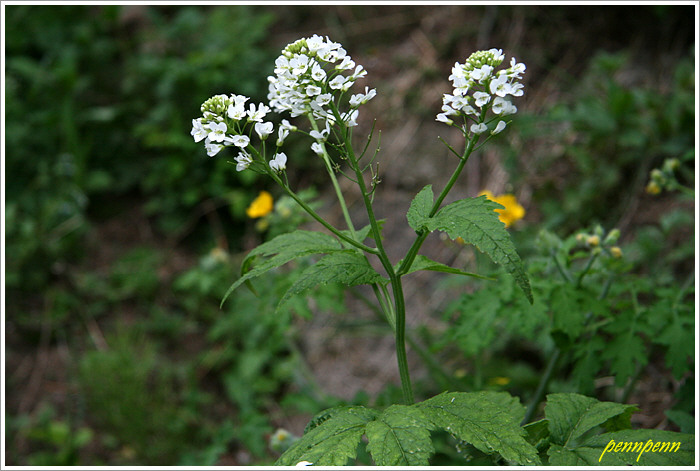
227	122
309	80
489	91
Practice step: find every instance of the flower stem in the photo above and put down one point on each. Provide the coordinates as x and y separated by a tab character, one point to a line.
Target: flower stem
336	186
395	280
423	233
318	218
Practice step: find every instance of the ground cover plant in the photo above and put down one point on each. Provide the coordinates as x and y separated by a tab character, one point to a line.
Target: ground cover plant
313	78
521	265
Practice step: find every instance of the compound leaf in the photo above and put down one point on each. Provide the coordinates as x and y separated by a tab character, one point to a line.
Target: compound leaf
347	267
334	441
476	222
483	419
283	248
571	415
422	262
400	436
419	211
628	447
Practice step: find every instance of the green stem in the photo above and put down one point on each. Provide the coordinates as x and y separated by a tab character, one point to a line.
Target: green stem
397	289
336	186
318	218
541	387
423	233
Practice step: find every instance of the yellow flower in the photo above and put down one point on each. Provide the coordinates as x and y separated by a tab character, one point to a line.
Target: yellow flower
499	380
260	206
513	210
616	251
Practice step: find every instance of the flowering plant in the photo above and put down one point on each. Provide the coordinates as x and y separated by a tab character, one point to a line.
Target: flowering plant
312	80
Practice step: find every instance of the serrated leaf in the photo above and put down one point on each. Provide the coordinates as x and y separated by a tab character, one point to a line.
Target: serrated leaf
476	222
346	267
333	442
421	262
284	248
363	233
593	452
419	211
571	415
679	336
484	420
400	436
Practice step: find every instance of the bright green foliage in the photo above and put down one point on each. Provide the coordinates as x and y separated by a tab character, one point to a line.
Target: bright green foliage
334	441
572	432
347	267
481	419
400	436
419	211
572	415
476	222
424	263
593	453
284	248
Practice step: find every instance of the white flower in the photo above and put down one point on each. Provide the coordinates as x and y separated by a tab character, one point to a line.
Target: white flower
239	141
350	118
481	98
516	89
499	127
442	117
312	90
263	129
317	72
243	160
516	69
317	148
212	148
236	112
199	132
481	74
337	83
279	162
259	114
362	98
322	135
217	132
346	64
500	86
478	128
503	107
304	463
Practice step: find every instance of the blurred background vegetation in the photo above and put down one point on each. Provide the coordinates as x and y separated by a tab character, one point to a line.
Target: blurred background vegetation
121	235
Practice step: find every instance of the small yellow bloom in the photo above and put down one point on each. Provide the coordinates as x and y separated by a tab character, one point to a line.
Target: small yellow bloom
653	188
616	251
261	206
500	380
593	240
513	210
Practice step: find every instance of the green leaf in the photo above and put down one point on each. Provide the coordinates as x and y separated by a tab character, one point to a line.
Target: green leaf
419	211
422	262
571	415
476	222
483	419
400	436
333	442
345	267
284	248
634	447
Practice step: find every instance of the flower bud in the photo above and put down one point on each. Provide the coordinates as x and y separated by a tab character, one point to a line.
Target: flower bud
616	251
612	237
593	241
